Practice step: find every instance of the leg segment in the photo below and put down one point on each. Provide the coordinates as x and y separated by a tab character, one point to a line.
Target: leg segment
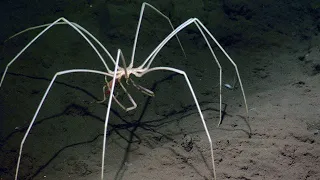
71	24
134	104
138	30
108	113
151	57
75	26
142	89
42	101
201	27
197	104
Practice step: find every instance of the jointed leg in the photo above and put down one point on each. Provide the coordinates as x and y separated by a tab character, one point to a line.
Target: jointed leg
134	104
200	26
75	26
42	101
151	57
104	91
142	89
108	113
104	95
138	30
196	102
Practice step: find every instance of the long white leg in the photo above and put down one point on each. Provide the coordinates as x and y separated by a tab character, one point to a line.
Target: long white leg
75	27
234	65
196	102
197	22
108	113
70	24
154	53
138	30
42	101
159	47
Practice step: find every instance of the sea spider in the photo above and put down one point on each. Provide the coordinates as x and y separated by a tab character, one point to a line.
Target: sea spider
125	71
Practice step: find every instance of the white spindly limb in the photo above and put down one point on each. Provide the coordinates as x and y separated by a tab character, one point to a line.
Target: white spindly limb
42	101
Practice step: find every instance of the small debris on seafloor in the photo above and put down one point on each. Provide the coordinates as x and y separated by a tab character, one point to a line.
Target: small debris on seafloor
228	86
